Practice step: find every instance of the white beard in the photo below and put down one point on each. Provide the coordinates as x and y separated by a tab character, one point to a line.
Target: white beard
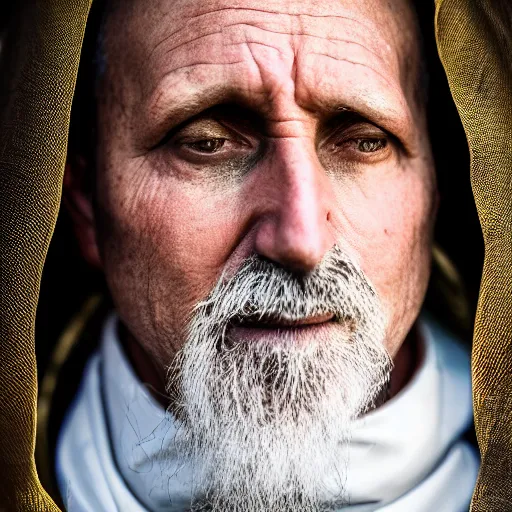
265	423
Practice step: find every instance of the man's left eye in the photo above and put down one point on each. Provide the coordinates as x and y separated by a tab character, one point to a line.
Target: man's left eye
367	147
206	146
370	145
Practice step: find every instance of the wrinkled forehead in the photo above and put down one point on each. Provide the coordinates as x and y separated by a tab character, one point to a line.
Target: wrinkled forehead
391	20
146	40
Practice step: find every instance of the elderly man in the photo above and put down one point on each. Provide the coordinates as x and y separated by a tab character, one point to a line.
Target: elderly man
263	207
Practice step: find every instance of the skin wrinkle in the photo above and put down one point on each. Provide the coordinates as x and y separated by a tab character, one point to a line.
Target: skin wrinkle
238	23
198	16
261	75
149	290
352	20
295	33
278	49
140	179
275	90
392	85
248	43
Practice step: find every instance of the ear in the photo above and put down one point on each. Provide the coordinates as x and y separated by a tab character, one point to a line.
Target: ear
78	200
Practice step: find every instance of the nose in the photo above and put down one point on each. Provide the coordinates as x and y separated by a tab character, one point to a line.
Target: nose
296	231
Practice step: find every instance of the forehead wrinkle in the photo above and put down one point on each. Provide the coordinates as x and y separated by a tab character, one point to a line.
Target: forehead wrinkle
172	89
288	45
310	22
274	88
385	106
307	23
199	17
270	11
331	39
377	46
363	64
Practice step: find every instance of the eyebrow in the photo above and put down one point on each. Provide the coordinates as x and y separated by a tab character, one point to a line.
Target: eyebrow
176	99
169	108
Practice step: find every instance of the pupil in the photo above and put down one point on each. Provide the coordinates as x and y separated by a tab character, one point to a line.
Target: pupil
370	146
210	145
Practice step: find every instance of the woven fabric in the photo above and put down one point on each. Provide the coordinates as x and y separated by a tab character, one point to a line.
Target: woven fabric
475	44
39	69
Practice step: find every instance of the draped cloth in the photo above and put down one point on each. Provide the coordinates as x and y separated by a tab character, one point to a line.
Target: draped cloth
38	70
475	45
39	67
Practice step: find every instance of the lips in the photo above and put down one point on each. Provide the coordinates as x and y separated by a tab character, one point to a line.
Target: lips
293	332
267	322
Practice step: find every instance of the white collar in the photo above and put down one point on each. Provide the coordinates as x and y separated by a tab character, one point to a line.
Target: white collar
406	455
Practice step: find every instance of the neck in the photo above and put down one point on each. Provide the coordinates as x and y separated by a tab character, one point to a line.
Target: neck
149	371
406	361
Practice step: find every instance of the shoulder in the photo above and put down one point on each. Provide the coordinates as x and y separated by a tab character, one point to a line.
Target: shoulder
452	359
61	383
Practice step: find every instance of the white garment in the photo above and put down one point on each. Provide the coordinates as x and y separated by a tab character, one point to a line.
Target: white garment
405	456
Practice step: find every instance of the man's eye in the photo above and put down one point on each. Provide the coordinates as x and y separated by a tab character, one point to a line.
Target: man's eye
207	146
370	145
367	147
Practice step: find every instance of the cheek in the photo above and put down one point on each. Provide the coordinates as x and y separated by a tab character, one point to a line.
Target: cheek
164	246
388	224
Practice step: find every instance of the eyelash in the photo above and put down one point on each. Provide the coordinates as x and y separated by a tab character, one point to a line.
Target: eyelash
367	145
198	142
364	145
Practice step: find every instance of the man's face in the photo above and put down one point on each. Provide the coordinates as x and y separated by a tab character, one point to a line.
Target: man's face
229	129
292	132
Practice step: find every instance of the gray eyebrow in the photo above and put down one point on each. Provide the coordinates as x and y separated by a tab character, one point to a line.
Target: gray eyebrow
178	107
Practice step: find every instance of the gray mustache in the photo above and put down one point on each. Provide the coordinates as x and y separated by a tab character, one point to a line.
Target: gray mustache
263	291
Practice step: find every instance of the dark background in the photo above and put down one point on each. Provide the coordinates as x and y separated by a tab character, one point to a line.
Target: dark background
67	281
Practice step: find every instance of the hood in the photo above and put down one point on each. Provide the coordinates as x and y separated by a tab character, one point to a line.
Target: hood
474	40
39	65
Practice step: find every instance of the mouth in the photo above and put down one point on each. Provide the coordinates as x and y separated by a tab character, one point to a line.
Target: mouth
273	323
271	329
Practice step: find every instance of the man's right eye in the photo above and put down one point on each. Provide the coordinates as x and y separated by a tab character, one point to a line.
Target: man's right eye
207	141
207	146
